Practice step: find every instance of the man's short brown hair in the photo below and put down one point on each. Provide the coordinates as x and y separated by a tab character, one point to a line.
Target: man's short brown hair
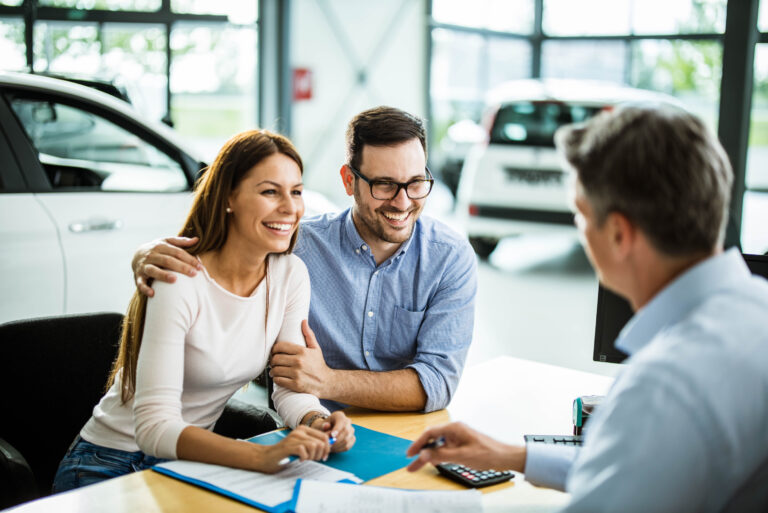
382	126
659	166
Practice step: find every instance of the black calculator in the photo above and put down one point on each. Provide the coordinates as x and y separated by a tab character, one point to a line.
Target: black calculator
471	477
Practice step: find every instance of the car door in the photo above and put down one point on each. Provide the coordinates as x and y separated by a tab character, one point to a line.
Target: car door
108	183
31	261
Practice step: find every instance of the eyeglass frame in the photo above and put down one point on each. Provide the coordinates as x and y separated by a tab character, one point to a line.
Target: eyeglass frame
400	185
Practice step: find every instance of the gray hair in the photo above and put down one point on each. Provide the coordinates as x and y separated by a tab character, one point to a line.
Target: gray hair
661	167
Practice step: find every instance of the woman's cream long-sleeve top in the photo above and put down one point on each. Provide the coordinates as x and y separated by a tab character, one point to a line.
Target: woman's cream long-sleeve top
201	343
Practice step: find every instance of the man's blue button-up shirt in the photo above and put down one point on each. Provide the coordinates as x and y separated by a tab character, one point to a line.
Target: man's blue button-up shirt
414	310
686	423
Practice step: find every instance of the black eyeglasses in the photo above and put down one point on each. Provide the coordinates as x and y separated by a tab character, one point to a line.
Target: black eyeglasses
417	188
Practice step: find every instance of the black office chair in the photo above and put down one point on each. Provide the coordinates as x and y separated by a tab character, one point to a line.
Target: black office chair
53	373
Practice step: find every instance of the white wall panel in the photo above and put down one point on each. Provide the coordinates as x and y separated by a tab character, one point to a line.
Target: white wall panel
337	40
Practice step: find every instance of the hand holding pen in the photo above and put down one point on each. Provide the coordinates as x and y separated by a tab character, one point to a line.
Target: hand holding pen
336	431
294	457
302	443
458	443
434	444
340	429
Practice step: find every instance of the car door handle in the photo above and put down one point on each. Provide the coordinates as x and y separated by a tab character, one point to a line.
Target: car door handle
92	225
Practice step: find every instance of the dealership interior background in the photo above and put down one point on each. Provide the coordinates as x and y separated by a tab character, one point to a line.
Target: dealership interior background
212	68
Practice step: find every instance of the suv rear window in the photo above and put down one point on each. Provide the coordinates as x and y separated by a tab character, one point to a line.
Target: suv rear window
534	123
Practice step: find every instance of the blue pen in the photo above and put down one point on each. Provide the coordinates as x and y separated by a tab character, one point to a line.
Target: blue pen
434	444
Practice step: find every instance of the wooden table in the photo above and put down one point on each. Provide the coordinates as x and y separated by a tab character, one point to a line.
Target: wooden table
505	397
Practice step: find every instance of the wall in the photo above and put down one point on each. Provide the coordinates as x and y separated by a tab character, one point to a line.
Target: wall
338	40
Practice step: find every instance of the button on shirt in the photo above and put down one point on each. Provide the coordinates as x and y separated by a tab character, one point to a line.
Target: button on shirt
687	420
415	310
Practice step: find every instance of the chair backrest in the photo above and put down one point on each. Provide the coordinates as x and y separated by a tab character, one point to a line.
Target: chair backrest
52	373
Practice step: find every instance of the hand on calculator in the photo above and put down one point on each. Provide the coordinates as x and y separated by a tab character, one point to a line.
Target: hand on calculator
464	446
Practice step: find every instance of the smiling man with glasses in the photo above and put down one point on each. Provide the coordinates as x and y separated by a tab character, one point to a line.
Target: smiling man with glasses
400	211
393	293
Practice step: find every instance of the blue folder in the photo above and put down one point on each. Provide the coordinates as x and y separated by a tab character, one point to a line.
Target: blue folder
374	453
285	507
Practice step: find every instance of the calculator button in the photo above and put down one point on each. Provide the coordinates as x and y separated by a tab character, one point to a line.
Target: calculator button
471	477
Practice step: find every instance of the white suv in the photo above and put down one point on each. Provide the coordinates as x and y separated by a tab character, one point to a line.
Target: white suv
512	182
83	181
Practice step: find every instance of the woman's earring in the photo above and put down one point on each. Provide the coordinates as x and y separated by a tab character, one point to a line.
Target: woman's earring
229	210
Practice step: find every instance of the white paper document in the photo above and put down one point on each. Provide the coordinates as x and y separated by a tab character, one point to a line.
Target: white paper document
319	497
266	489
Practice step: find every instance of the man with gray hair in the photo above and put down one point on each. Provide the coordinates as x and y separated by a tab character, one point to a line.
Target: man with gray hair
686	423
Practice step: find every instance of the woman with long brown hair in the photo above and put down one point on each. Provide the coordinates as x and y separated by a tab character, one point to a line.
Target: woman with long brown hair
186	350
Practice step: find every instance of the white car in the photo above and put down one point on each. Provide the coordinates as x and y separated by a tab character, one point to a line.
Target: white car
512	182
83	182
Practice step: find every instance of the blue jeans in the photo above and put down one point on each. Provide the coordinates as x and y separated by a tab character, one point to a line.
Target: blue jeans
86	463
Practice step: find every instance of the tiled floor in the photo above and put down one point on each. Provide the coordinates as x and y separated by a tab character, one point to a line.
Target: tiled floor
537	300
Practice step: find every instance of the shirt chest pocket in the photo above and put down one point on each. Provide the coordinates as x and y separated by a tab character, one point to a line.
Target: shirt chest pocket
401	342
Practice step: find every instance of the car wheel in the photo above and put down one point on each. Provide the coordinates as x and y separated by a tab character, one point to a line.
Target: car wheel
483	246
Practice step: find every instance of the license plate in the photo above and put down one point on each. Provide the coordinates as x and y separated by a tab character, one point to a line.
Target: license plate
534	176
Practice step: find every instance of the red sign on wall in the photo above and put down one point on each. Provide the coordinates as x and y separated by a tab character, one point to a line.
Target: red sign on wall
302	84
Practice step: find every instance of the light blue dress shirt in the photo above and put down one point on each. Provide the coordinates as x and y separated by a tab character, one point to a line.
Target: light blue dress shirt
687	420
415	310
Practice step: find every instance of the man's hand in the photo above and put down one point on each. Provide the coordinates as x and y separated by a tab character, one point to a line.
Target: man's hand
299	368
466	446
155	259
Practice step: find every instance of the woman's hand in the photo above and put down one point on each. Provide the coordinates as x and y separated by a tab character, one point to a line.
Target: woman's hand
303	442
339	427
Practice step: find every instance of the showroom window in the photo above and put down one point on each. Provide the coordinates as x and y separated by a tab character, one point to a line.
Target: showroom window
12	43
475	47
619	41
626	42
190	63
213	82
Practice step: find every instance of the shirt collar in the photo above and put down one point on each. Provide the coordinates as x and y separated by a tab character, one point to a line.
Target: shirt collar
681	296
357	242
